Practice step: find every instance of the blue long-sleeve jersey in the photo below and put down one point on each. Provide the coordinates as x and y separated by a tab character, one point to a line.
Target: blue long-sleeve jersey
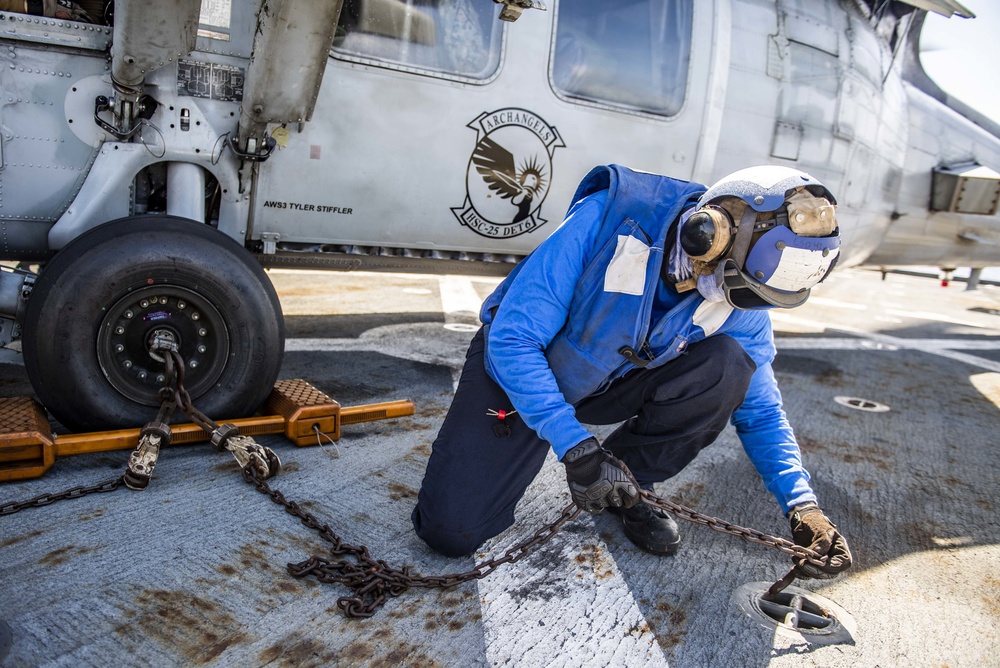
558	323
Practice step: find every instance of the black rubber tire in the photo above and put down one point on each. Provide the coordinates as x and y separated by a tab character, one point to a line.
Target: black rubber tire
95	304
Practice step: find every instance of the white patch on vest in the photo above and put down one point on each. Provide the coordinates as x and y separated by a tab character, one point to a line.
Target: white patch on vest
710	316
799	268
627	270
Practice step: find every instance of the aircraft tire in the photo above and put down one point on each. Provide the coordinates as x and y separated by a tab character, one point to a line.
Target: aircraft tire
97	304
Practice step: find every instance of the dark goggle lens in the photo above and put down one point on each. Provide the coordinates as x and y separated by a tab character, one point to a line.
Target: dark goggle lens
698	234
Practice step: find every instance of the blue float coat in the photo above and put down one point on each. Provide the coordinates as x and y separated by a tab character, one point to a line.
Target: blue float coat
557	323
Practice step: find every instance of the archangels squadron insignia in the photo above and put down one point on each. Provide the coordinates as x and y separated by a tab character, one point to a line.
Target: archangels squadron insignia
509	173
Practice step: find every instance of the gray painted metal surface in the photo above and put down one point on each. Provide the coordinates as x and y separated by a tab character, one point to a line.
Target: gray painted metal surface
386	161
150	36
191	570
285	90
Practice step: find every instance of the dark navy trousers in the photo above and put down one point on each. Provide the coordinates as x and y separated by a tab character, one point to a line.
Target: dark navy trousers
475	476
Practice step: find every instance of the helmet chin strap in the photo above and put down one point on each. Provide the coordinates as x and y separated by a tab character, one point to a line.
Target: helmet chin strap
741	245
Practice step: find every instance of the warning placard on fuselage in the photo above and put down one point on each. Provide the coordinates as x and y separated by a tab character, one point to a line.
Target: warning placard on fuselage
210	80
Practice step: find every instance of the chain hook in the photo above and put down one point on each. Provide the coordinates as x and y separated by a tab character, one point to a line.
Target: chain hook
247	452
781	584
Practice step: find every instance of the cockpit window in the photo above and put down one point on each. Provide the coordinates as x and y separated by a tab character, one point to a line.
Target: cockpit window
451	37
627	53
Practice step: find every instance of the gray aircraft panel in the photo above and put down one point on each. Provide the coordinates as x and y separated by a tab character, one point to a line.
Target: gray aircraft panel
359	143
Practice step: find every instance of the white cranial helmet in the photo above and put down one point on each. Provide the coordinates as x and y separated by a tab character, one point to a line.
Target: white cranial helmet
771	232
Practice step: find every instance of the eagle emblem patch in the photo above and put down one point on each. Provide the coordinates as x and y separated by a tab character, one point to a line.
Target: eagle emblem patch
509	173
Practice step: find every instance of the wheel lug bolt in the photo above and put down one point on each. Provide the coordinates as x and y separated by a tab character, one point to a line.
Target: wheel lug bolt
119	330
119	348
193	364
160	378
144	303
202	349
127	364
163	300
181	305
142	375
202	332
129	314
195	316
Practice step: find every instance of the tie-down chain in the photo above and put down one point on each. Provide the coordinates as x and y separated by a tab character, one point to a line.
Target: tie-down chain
156	434
372	581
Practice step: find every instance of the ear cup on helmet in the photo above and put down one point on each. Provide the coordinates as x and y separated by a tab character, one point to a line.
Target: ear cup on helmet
707	234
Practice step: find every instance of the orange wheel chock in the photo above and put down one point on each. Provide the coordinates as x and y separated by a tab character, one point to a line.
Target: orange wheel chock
28	448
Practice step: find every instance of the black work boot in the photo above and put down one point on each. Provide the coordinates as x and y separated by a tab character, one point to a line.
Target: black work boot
652	529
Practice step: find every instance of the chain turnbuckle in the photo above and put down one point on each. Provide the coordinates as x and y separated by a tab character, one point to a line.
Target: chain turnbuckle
248	453
141	462
157	435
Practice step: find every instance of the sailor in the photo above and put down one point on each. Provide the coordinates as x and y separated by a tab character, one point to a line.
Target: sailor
646	307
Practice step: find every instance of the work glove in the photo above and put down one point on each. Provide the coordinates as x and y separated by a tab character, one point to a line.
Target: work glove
598	480
812	529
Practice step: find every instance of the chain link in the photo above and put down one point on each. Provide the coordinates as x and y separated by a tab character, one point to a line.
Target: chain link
373	581
71	493
722	526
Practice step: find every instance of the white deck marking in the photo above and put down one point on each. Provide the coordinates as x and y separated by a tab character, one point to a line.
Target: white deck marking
937	317
458	297
942	347
459	301
988	385
863	341
579	612
825	301
541	616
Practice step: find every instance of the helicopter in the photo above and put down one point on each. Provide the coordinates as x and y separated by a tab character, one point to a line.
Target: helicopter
159	156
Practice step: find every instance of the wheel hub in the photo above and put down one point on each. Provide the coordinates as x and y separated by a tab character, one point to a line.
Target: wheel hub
145	320
162	339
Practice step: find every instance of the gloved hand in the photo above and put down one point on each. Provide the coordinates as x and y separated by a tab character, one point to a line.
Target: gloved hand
812	529
598	480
